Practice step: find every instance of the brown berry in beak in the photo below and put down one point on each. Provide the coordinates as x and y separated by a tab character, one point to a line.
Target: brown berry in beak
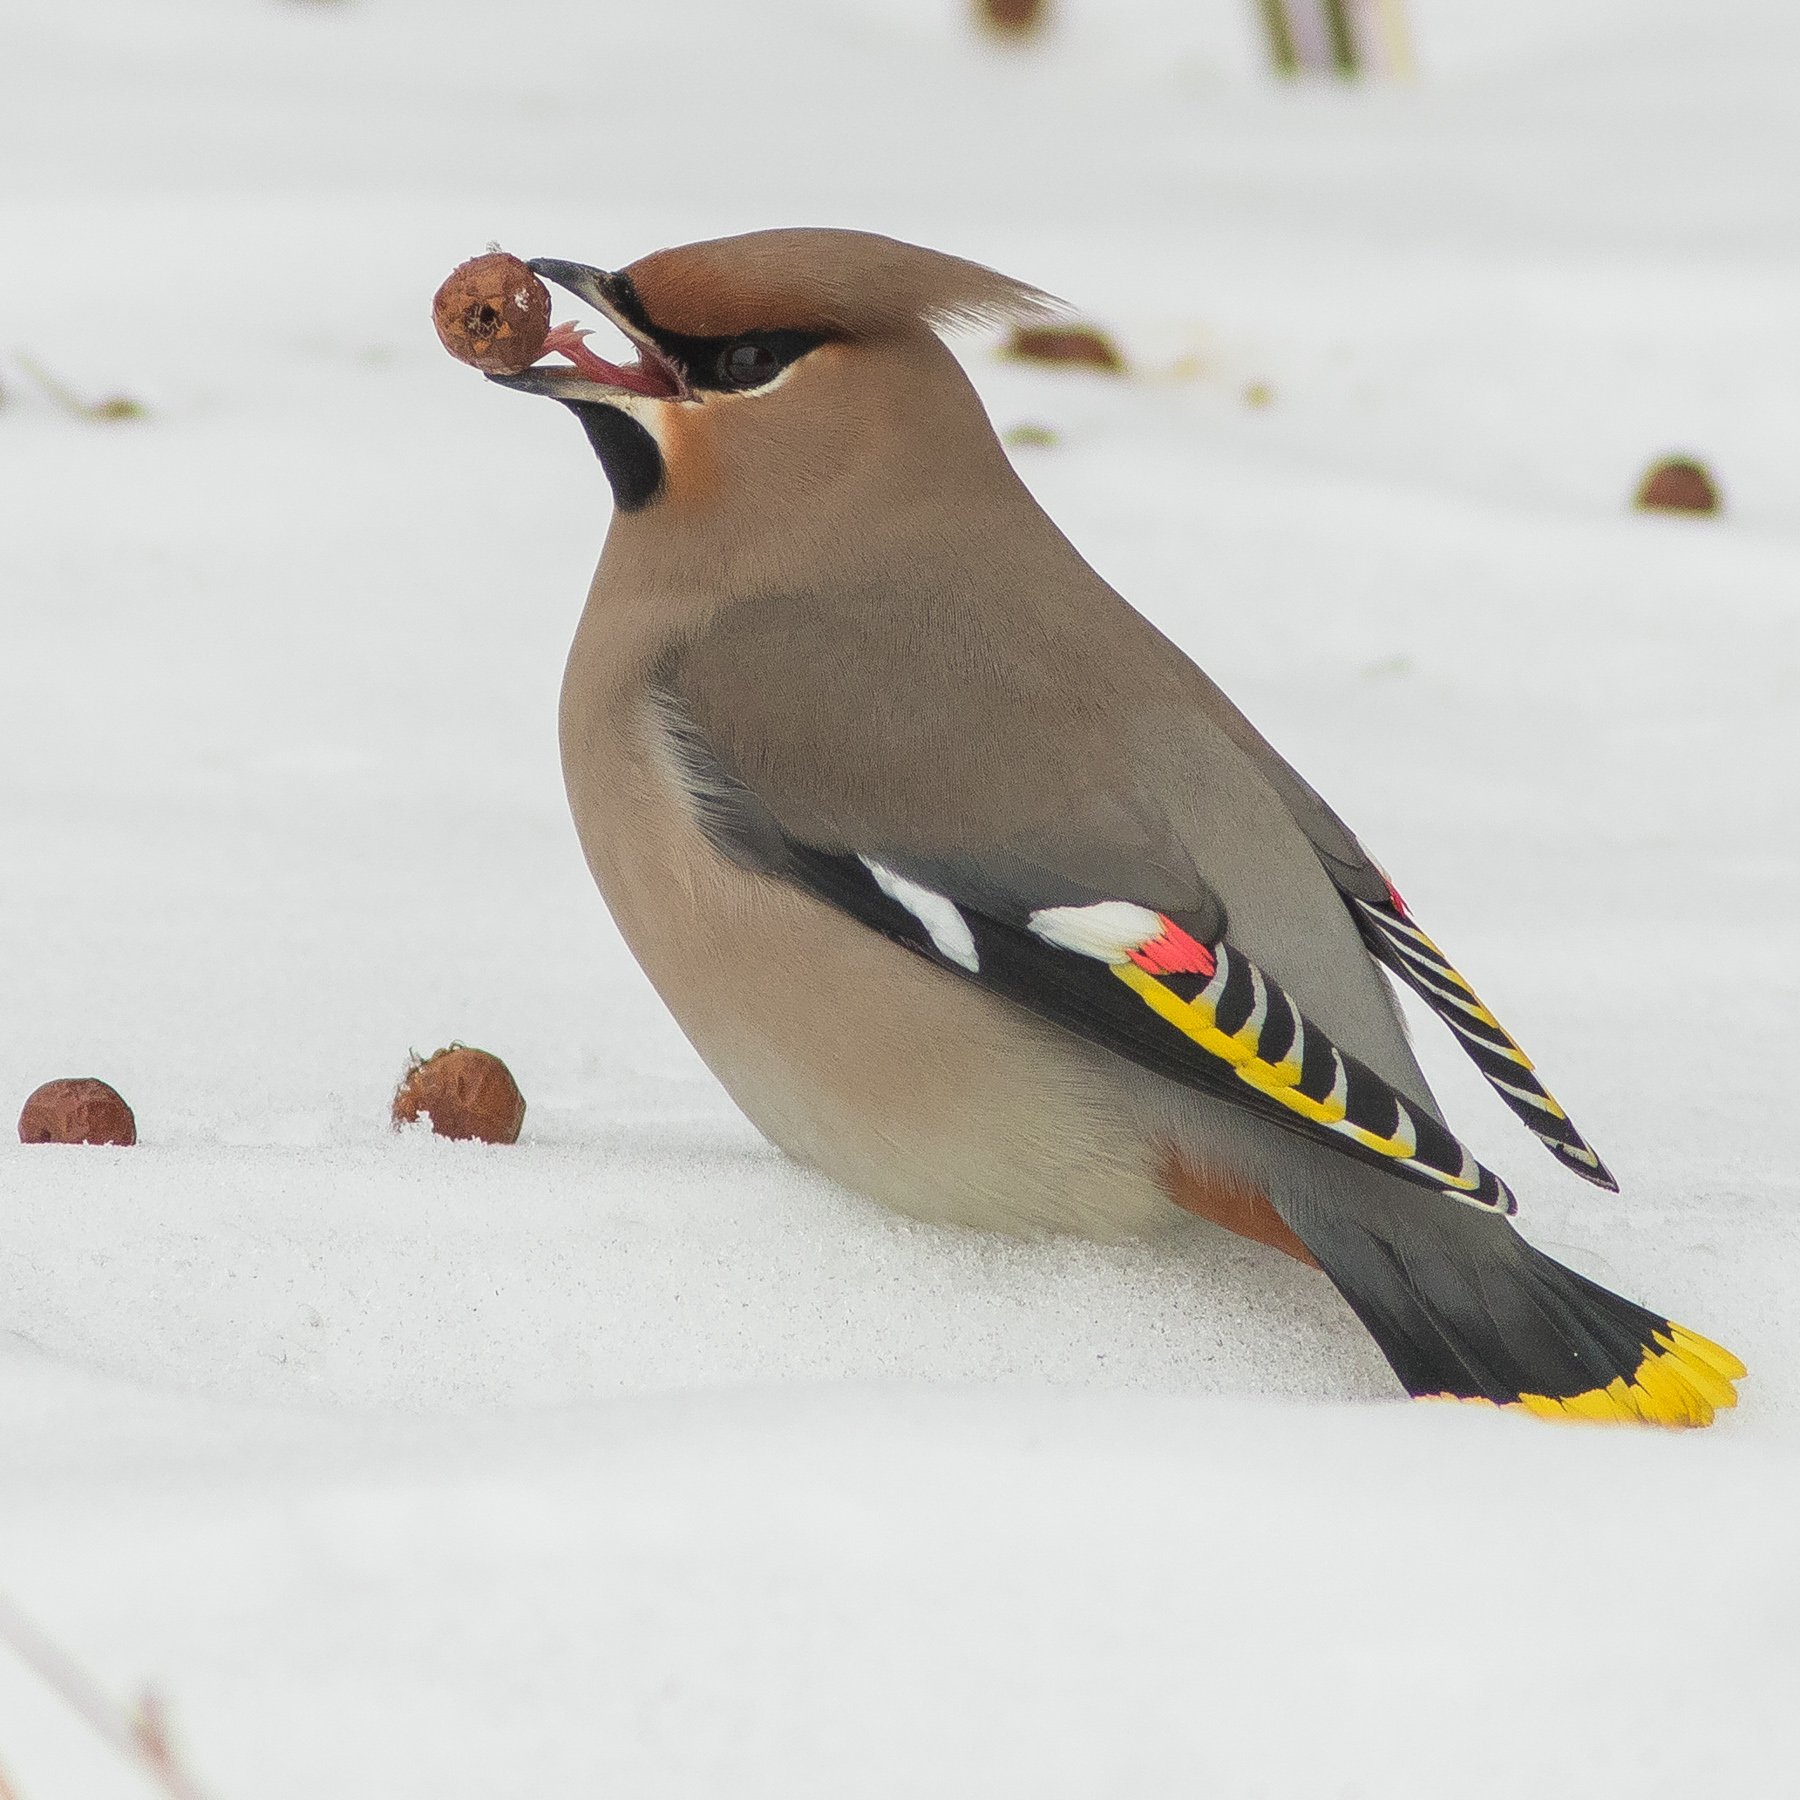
493	313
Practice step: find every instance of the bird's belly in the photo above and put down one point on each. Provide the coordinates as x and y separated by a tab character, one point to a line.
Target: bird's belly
862	1060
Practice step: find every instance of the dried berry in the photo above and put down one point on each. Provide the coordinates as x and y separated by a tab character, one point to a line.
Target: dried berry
1012	18
1678	484
79	1110
1079	345
493	312
464	1093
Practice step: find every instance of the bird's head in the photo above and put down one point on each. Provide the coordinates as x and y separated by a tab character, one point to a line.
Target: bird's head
780	378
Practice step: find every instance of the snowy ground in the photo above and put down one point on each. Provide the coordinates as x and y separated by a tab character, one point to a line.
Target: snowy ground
632	1460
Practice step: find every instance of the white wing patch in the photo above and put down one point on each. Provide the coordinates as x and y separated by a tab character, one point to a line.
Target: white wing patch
944	925
1108	930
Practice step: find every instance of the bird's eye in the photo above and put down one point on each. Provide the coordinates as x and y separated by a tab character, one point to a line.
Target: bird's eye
748	365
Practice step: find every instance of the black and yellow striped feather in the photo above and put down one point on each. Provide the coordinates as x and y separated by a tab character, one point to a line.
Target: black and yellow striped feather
1233	1033
1401	946
1243	1019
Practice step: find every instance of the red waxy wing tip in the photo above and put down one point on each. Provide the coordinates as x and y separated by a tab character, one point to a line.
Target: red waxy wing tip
1173	952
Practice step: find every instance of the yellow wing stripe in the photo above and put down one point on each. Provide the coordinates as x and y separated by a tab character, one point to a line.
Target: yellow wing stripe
1198	1018
1541	1099
1682	1382
1445	971
1410	954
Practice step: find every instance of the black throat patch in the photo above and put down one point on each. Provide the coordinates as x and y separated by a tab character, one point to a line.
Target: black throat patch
627	452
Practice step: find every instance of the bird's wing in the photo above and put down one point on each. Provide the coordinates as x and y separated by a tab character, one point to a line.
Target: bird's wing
1167	991
1397	943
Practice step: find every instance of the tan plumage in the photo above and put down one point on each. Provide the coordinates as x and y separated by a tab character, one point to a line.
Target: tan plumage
848	282
970	887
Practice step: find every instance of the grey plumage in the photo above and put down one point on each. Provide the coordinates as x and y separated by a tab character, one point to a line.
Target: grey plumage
847	719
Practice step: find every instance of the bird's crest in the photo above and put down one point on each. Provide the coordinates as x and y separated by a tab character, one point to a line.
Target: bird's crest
842	283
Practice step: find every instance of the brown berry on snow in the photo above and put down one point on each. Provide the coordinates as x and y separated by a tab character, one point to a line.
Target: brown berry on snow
464	1093
1079	345
78	1110
1012	18
1678	484
494	313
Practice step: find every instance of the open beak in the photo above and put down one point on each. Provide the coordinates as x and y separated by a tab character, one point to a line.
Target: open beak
585	377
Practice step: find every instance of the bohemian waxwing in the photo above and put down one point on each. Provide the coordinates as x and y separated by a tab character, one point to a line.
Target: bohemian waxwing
970	887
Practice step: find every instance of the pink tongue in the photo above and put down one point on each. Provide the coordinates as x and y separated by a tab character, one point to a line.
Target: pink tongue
567	340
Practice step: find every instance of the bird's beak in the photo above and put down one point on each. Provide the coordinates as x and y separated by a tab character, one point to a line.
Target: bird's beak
586	377
592	285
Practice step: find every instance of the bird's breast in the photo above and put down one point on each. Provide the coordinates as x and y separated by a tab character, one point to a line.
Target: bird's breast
850	1053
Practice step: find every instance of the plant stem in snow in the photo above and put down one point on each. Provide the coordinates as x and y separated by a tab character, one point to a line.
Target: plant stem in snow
141	1737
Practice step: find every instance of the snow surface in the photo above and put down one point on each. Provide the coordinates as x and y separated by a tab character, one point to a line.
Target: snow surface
632	1460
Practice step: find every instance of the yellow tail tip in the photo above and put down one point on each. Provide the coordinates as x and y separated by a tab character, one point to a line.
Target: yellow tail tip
1681	1382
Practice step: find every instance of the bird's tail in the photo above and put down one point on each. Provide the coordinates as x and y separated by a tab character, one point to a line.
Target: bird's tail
1468	1310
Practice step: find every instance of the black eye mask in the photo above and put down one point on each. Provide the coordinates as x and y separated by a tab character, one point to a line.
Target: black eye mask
736	364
